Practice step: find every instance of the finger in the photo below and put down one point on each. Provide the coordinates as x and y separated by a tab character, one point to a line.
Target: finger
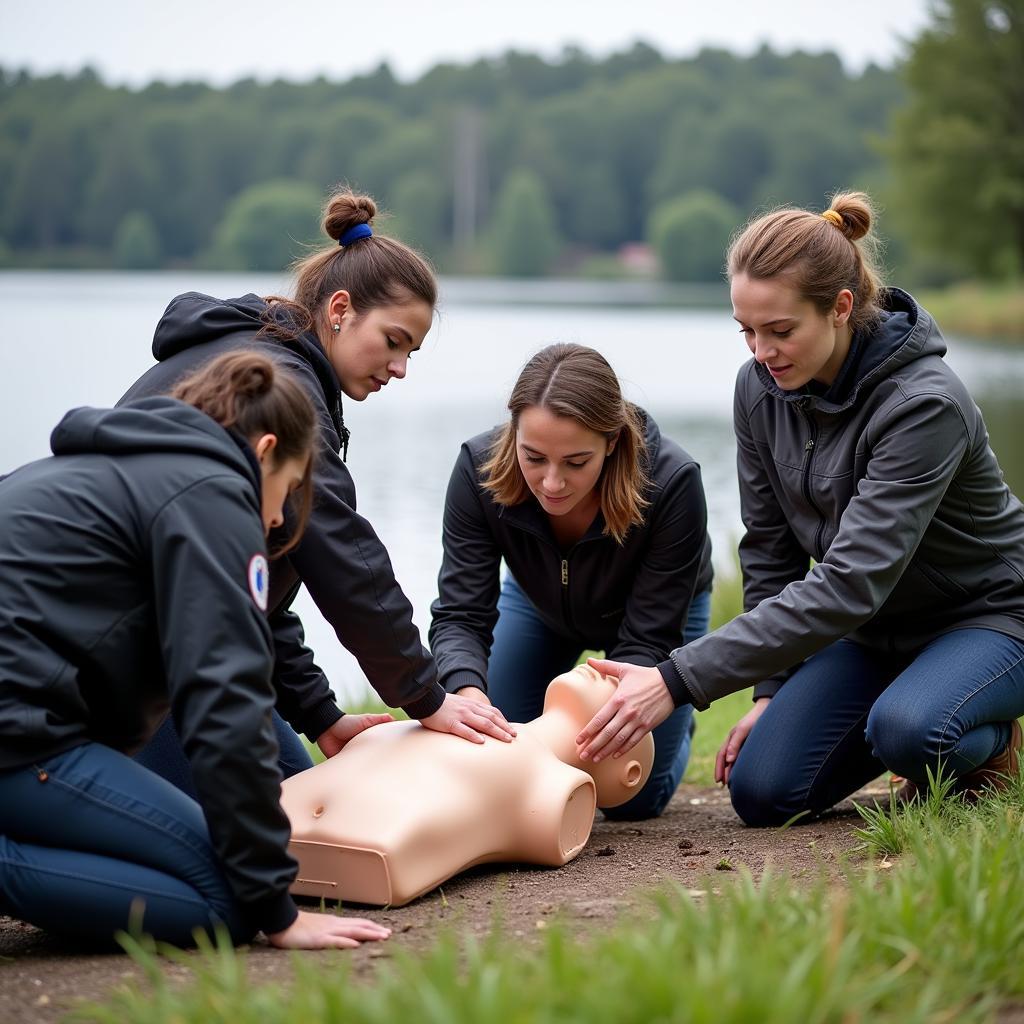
465	732
720	763
631	741
337	942
491	712
606	668
598	722
603	744
366	931
487	727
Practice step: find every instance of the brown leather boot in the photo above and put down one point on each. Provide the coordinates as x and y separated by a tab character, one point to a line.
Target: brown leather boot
996	772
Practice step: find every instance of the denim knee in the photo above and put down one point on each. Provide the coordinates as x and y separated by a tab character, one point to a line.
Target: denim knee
762	800
903	737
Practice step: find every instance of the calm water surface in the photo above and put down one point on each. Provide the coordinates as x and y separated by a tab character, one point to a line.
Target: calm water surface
82	339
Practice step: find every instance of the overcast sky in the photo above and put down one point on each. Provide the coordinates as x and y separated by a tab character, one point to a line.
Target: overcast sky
135	41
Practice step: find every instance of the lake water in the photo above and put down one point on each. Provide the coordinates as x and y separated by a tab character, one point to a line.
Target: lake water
70	339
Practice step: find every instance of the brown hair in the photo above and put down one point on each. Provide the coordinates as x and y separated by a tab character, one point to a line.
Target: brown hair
375	271
249	394
820	253
577	382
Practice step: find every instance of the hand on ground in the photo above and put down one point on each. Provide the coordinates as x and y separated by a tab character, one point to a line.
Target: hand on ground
325	931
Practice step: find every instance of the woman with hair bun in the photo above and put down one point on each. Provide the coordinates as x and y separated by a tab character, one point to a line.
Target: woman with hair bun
602	523
361	309
133	582
902	648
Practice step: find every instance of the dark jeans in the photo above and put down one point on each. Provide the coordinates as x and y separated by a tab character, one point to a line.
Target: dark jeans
849	713
527	655
165	756
87	838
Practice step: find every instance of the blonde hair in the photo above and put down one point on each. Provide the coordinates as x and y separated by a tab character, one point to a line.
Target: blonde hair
576	382
820	253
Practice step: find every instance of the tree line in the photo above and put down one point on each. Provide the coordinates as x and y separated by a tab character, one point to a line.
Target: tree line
514	165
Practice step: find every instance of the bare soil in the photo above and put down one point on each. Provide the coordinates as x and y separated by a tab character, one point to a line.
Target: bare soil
699	842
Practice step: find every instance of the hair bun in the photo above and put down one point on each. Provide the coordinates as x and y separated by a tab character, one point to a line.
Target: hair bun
855	211
346	209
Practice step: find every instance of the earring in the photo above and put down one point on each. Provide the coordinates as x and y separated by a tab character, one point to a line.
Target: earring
336	327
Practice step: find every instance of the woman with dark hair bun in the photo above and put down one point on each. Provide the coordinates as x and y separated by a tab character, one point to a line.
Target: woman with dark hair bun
902	648
361	309
133	582
602	523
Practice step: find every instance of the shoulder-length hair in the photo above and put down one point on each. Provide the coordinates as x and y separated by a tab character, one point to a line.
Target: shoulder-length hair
576	382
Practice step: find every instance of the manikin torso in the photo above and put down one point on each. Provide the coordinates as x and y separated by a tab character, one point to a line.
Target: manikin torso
401	808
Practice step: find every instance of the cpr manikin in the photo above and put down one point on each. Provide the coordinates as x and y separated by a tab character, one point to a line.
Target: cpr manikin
401	808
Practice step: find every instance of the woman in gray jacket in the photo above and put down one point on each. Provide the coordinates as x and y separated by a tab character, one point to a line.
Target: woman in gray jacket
902	648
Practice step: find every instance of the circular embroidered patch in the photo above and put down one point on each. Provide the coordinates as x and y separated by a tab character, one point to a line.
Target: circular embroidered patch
259	581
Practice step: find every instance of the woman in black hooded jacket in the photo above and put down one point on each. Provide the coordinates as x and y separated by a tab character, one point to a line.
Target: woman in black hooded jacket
361	308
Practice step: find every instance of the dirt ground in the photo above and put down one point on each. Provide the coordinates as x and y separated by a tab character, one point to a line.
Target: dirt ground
698	838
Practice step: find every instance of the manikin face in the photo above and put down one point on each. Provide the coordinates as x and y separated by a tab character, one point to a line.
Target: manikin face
561	460
372	348
279	480
786	333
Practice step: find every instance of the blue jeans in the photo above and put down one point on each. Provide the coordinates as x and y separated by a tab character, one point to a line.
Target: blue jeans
849	713
88	835
164	755
527	655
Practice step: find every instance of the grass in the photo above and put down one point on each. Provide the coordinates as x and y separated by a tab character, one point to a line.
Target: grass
991	311
937	938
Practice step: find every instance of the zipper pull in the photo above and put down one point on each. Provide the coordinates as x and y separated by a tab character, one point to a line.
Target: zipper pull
565	572
809	445
41	773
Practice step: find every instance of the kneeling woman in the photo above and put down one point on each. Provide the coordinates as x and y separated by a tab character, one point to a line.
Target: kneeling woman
603	526
859	448
133	578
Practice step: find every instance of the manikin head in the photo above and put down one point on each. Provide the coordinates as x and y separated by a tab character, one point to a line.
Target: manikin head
801	285
370	299
573	443
578	695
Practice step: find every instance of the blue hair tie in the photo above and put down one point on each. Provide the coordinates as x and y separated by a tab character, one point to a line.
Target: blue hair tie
355	233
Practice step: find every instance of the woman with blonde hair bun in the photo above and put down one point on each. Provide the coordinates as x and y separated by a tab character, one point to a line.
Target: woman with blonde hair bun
602	523
859	450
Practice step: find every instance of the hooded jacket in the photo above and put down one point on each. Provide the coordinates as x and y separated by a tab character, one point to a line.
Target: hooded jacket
629	600
130	583
888	482
340	559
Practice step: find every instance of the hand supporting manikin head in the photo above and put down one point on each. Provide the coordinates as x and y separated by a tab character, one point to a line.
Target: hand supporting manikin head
401	808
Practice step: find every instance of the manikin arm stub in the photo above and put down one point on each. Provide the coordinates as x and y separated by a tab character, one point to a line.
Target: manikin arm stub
401	808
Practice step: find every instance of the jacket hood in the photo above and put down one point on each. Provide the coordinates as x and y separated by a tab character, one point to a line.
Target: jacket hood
193	318
153	425
903	333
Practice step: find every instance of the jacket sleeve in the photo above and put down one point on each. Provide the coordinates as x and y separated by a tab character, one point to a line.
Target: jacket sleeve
304	696
466	609
348	573
915	452
666	579
770	555
217	653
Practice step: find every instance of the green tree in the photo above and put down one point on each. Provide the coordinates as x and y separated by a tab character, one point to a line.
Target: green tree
420	210
690	235
957	145
524	240
136	242
267	225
